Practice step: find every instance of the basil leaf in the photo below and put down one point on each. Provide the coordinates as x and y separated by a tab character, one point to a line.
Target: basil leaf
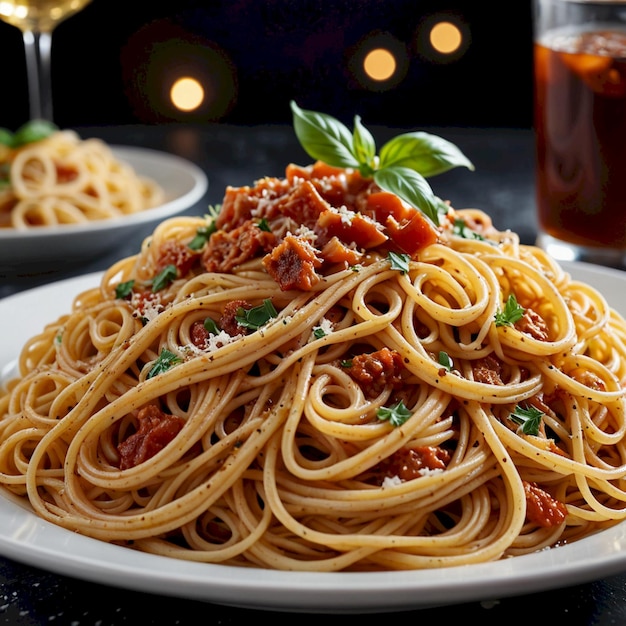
411	187
428	154
6	137
364	148
323	137
32	131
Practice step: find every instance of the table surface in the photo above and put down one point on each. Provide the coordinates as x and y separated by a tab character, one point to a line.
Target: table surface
502	185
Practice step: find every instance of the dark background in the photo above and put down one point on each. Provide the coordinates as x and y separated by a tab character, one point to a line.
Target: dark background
110	61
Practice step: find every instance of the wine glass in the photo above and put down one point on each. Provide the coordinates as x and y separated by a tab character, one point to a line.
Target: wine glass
37	19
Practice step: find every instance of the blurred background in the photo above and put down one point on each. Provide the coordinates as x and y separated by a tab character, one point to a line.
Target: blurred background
395	62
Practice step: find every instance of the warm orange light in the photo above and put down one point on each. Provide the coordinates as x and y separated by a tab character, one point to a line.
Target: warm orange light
380	64
187	94
445	37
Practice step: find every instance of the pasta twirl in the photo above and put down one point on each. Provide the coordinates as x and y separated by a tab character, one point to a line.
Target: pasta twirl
63	179
284	386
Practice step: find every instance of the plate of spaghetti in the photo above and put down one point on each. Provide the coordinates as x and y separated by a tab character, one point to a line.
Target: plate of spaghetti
64	198
321	398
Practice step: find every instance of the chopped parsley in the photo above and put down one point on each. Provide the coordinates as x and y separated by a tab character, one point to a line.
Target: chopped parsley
461	229
528	418
397	414
445	361
264	225
257	316
203	234
512	312
124	289
164	362
164	278
318	332
211	327
399	262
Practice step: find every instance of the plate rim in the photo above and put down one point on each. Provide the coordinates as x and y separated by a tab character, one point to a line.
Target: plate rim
29	539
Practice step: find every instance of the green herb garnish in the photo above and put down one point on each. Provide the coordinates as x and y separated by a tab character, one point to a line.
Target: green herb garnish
264	225
397	414
445	361
203	234
32	131
512	313
461	229
164	278
124	289
211	326
399	262
257	316
528	418
164	362
402	166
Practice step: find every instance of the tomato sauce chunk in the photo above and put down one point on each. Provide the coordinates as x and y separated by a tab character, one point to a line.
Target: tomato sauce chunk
156	430
292	264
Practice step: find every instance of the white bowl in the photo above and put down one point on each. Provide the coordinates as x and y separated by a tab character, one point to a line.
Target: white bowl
47	247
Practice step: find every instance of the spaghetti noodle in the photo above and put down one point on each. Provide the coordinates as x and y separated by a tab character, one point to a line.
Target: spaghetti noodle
253	388
63	179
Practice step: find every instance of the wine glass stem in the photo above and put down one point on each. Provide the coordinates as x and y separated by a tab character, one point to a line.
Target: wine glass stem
37	47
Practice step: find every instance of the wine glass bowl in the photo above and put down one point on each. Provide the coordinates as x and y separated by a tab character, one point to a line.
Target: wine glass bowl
37	19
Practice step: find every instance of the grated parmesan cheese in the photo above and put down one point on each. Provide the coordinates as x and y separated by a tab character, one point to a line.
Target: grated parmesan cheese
391	481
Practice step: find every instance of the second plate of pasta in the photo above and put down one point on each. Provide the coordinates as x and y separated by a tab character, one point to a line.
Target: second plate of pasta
182	183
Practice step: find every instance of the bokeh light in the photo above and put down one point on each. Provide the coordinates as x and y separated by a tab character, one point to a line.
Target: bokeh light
442	38
445	37
187	94
161	60
378	62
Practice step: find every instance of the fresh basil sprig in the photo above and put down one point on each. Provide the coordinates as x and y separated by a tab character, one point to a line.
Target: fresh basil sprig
402	166
34	130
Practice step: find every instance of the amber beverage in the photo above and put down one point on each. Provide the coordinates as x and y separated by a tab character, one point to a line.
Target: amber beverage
580	125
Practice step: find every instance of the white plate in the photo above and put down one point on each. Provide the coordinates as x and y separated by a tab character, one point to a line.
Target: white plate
26	538
184	184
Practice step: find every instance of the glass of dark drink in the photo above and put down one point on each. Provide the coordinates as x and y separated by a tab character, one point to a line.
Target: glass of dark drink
580	129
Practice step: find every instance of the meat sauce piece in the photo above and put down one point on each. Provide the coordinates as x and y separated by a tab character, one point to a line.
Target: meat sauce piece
374	371
533	324
156	429
292	264
228	249
176	253
410	463
228	319
488	370
343	213
541	508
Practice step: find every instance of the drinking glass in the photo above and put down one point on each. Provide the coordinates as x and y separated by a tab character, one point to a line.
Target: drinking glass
37	19
580	128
